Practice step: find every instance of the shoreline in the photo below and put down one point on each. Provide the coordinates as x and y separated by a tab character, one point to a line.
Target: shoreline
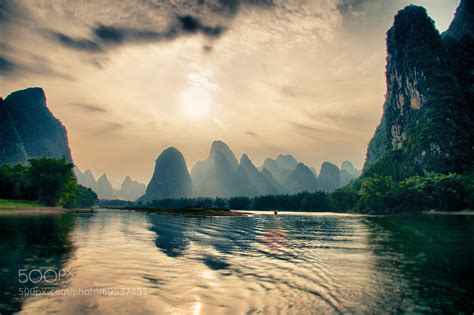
190	212
463	212
200	212
31	211
44	210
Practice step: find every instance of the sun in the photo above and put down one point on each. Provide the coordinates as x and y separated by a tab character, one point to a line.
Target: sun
196	102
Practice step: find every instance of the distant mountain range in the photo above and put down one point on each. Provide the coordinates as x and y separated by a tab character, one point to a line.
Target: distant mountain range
129	189
29	130
222	175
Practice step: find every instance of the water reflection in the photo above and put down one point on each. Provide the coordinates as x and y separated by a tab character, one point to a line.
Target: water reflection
227	236
36	242
170	234
275	237
426	262
296	264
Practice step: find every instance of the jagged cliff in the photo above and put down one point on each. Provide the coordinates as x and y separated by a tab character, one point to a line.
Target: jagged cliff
425	123
28	130
129	189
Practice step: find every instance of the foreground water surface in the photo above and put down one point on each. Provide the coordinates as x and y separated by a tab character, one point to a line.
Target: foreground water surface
128	262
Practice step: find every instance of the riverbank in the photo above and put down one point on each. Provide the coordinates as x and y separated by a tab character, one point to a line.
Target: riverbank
27	207
464	212
16	204
193	212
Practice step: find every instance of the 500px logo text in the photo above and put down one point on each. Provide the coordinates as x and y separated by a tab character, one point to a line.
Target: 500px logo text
48	275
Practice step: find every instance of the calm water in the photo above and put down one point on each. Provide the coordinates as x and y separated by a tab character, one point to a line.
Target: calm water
127	262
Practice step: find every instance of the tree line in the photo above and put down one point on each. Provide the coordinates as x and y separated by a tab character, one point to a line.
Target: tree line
46	180
374	194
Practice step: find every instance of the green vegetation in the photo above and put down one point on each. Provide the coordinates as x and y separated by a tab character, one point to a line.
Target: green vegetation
384	194
14	204
426	124
46	181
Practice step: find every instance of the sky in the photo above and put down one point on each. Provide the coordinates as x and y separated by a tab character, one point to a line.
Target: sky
130	78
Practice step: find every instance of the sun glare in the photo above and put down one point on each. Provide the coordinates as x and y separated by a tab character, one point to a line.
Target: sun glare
196	102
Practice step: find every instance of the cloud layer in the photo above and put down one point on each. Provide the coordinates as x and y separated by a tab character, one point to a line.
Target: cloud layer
274	76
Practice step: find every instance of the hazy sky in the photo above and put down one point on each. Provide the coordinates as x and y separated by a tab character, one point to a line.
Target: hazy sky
130	78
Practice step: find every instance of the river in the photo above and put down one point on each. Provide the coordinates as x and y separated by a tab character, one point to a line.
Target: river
296	263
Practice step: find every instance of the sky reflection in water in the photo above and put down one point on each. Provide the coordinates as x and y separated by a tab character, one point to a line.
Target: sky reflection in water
287	263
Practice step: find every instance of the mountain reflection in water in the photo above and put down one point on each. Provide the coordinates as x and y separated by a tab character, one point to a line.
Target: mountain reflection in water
291	263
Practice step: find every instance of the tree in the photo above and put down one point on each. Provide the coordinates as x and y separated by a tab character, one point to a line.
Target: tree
239	203
53	180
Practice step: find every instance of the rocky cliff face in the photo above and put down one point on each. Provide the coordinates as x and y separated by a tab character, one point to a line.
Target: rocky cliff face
12	150
463	22
170	178
459	40
28	130
424	121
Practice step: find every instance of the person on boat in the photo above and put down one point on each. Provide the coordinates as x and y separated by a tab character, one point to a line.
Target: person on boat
275	212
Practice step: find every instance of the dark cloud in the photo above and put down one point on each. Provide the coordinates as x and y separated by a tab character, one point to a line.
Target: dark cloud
185	25
11	11
110	35
190	24
77	43
209	18
7	66
106	36
130	22
89	108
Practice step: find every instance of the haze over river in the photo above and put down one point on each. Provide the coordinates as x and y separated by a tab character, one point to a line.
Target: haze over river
299	263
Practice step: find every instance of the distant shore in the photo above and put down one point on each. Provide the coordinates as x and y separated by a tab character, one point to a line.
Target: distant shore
26	207
464	212
31	211
194	212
